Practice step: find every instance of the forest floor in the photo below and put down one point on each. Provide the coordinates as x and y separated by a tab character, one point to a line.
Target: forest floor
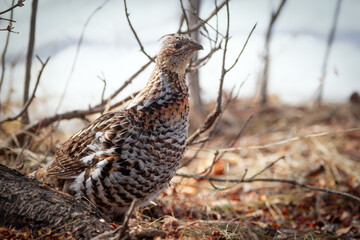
318	146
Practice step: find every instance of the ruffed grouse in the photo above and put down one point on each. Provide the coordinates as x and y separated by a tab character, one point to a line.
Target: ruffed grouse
131	154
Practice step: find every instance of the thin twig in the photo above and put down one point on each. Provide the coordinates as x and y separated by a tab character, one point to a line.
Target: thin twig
9	28
135	34
181	22
267	167
121	230
28	102
242	50
78	46
238	135
7	19
3	65
213	13
211	132
29	56
127	82
18	4
330	40
210	119
125	224
281	142
27	143
244	175
284	141
205	139
223	70
215	29
104	88
217	22
264	79
281	180
45	122
80	113
202	61
185	17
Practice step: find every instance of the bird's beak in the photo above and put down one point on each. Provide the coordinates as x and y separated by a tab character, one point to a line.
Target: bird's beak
197	47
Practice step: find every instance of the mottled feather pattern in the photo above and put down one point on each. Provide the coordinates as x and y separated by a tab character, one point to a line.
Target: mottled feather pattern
131	154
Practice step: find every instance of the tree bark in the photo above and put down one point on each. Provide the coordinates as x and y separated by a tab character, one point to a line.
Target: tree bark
195	90
330	41
265	77
26	202
25	116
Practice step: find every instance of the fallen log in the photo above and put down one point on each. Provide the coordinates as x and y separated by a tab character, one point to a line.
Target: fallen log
28	203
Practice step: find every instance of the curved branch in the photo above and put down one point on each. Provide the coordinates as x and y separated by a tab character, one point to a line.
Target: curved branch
18	4
127	82
281	180
3	65
242	50
185	18
45	122
210	119
202	23
78	46
135	34
28	102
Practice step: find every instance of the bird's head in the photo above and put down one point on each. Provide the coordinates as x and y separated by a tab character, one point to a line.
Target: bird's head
176	51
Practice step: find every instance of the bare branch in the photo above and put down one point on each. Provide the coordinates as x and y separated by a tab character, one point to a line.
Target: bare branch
215	29
281	142
202	61
264	79
327	53
267	167
293	139
79	113
223	70
244	175
126	219
127	82
181	22
185	17
242	50
238	135
281	180
25	115
45	122
77	52
7	19
120	231
210	119
9	28
18	4
135	34
104	88
213	13
3	65
28	102
204	140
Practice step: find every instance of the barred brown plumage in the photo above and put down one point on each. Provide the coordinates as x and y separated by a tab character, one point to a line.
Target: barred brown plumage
131	154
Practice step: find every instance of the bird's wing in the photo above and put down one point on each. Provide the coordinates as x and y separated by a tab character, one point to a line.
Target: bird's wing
88	146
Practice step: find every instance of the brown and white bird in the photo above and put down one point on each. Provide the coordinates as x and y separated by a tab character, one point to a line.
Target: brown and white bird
131	154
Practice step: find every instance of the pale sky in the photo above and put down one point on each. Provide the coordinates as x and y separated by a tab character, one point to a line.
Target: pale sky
109	47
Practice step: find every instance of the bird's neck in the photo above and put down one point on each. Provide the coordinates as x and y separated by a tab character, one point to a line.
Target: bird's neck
164	86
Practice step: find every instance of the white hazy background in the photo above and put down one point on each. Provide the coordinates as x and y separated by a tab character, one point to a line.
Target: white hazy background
110	49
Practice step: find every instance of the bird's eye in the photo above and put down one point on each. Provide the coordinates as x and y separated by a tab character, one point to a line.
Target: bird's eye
177	46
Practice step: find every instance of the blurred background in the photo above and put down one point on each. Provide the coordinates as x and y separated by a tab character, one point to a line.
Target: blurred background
109	49
296	117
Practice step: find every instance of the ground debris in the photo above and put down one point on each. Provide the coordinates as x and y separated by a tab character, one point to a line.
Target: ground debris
317	149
